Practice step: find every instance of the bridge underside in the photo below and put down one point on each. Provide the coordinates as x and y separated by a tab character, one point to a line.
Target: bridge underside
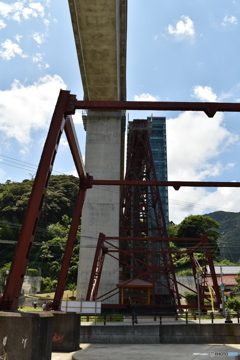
100	33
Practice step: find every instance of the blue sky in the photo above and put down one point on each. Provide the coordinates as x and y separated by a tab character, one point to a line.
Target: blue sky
184	50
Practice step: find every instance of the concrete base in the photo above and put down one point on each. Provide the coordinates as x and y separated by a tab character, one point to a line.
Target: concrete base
26	336
66	332
164	334
143	334
200	334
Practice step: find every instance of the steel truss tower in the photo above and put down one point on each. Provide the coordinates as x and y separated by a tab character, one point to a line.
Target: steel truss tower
141	216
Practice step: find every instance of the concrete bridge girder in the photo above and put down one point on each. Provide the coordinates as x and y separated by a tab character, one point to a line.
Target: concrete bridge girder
100	35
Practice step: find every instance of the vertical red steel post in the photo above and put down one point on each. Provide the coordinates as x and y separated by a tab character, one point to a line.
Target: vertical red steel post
21	257
212	269
84	184
69	248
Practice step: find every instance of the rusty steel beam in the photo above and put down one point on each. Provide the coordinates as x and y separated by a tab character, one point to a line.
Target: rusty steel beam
97	267
13	287
69	248
75	149
175	184
212	269
210	108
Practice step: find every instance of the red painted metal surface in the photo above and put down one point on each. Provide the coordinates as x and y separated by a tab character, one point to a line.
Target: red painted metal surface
154	272
141	215
96	273
66	105
69	248
13	287
175	184
75	149
210	108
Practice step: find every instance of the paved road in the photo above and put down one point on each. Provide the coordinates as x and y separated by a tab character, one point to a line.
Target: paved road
153	352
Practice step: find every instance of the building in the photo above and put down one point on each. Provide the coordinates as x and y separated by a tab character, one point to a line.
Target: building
158	143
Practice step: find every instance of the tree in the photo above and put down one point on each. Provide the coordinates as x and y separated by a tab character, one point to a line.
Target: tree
237	286
173	229
233	304
194	226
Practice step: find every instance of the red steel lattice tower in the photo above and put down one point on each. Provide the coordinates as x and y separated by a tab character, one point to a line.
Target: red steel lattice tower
141	216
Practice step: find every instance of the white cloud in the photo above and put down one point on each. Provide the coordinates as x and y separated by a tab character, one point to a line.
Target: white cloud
37	57
183	28
194	143
9	50
43	66
46	22
18	37
204	93
197	201
229	20
24	109
63	142
38	37
145	97
77	118
2	24
18	11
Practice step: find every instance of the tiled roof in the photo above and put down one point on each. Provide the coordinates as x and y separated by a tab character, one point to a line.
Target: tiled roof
226	280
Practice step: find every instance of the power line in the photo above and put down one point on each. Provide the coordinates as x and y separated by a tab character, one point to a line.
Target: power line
21	164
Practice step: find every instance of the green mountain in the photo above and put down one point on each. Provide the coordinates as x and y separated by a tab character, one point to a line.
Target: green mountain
230	234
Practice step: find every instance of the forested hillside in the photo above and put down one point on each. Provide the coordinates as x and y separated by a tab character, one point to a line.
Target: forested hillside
229	243
53	227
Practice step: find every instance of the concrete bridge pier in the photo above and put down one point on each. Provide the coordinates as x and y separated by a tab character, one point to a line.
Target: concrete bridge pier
104	160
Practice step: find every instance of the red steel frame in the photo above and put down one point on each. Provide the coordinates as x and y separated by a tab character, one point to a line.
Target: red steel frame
66	105
107	246
141	215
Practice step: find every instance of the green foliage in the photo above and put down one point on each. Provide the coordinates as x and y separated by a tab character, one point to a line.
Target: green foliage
53	226
185	261
194	226
173	230
237	286
186	272
32	272
223	262
229	242
47	284
190	297
233	304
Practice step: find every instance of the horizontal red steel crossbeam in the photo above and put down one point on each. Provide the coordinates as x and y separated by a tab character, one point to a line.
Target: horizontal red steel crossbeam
210	108
175	184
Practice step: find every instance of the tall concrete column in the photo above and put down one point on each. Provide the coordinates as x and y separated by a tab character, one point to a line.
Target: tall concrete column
101	208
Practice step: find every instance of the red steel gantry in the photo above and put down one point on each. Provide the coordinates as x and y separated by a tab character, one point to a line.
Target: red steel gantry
61	121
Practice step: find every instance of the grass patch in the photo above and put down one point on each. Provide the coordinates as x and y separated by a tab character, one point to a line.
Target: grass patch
30	309
100	318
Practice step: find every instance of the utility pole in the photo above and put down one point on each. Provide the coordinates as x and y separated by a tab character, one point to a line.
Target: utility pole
222	291
199	280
